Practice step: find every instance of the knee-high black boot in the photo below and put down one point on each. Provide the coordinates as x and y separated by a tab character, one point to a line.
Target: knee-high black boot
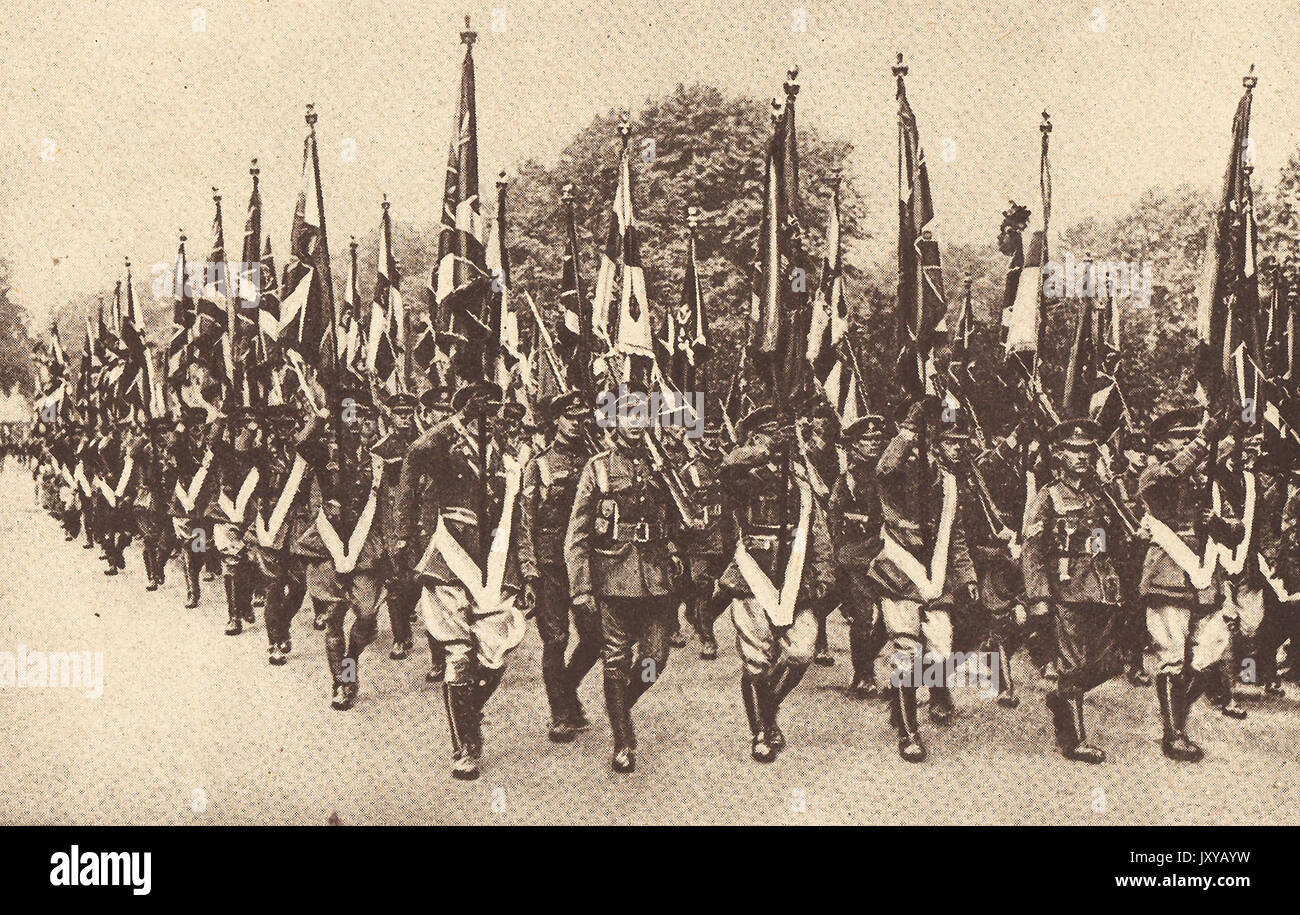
1082	750
1171	692
1227	702
234	624
1007	697
462	721
750	693
620	722
903	713
190	566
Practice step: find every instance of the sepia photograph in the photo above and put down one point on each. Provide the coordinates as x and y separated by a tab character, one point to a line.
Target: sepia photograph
598	413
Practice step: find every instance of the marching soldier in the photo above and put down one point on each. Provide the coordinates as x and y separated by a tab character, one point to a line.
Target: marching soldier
342	546
623	564
279	515
775	590
469	570
855	521
195	486
234	462
707	549
821	452
435	406
403	589
1182	581
549	484
1069	573
114	480
149	455
924	567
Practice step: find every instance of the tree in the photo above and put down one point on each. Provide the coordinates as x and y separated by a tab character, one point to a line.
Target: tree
16	366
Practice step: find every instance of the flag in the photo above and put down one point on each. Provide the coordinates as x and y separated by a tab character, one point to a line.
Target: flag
246	303
1081	370
503	352
830	314
350	337
1227	295
461	263
574	332
685	342
768	328
304	325
385	343
921	305
626	328
1022	299
210	336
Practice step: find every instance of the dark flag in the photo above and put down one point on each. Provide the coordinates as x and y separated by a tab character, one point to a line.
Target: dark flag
921	305
830	314
457	280
245	312
1228	296
574	334
1081	370
385	344
684	346
210	335
183	316
769	331
306	305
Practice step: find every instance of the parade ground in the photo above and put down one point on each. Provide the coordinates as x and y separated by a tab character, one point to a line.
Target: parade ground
194	727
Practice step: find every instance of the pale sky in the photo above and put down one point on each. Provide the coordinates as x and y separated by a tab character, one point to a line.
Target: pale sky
145	110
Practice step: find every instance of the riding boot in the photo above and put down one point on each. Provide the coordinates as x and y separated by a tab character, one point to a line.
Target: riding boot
462	721
190	566
1083	751
1227	702
1171	692
234	625
910	746
1001	671
760	750
1063	723
822	656
620	722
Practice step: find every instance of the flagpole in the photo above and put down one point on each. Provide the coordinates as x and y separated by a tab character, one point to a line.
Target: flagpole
333	395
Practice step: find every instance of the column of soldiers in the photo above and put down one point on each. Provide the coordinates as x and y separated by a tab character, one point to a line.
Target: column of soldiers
437	510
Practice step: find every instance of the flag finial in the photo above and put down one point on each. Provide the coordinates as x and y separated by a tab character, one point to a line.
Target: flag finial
792	82
311	114
469	36
385	204
254	170
502	181
776	111
1046	126
1250	80
692	217
624	127
566	193
352	241
128	265
900	69
216	194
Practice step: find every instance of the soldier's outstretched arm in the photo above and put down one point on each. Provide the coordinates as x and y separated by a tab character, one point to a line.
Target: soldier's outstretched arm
577	540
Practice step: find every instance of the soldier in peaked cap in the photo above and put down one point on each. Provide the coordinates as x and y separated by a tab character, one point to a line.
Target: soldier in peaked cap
278	515
924	568
1182	579
776	620
624	563
708	548
854	519
343	546
403	589
468	598
550	482
1068	535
